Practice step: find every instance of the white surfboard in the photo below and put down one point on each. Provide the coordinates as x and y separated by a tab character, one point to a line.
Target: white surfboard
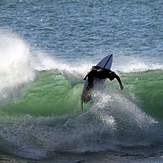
106	63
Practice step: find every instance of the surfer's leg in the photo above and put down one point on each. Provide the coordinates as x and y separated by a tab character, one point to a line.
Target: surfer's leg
90	83
82	104
86	96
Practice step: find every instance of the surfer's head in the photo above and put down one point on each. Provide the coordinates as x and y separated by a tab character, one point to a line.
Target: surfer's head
95	67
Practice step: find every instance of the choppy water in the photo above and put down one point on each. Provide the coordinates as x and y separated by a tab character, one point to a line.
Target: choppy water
46	47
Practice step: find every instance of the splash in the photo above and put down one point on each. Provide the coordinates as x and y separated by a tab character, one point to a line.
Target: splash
15	67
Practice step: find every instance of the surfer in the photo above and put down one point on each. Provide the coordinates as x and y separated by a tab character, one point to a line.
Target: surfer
97	73
101	73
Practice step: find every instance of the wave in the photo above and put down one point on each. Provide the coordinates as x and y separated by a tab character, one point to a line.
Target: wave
56	92
113	124
32	81
40	112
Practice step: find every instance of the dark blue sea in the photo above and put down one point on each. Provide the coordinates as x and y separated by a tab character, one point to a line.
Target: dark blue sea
46	49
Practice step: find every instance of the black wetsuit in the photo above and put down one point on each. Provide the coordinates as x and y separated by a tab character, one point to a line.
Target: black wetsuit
99	73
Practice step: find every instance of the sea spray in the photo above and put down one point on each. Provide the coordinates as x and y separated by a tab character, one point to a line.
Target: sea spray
15	68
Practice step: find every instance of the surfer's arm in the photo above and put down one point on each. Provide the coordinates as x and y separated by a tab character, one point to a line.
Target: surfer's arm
119	81
94	68
89	74
86	77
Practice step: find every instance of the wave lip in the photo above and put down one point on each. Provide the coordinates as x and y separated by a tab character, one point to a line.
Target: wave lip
131	64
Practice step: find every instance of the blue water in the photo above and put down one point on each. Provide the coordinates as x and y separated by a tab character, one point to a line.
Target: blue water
46	47
72	29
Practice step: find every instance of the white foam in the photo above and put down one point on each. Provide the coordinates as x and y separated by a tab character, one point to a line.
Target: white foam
136	67
43	61
120	106
15	66
135	64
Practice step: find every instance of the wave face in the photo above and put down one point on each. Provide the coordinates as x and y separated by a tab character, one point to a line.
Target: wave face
51	93
147	89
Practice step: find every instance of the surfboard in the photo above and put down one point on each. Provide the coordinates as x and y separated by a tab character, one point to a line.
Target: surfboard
106	63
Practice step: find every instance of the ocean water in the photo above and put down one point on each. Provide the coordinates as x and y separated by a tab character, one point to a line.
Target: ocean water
46	48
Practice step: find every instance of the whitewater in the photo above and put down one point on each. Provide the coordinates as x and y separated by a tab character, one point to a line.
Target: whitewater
44	56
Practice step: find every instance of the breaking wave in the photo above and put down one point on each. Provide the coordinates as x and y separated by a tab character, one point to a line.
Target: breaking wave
41	114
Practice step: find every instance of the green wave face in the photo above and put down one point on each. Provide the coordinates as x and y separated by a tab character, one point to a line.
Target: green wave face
55	93
148	90
51	93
